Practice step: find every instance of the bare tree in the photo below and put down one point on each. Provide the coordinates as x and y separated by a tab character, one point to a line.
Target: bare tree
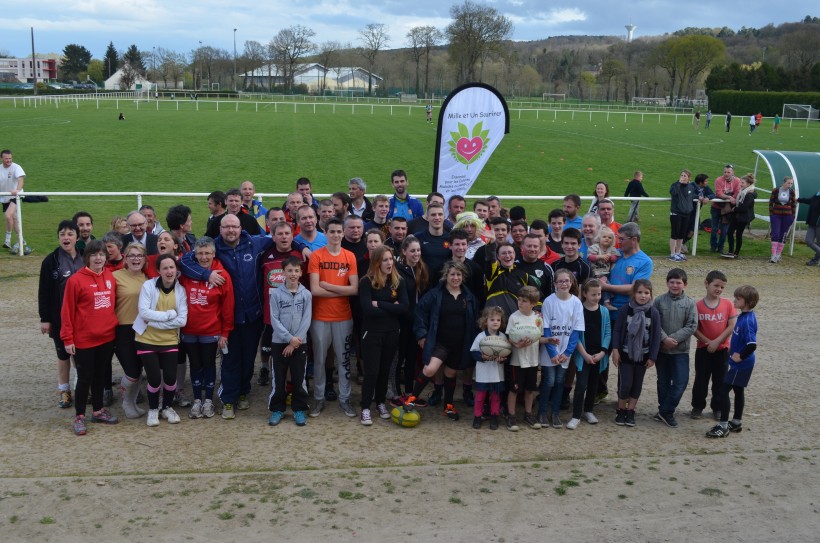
291	45
422	39
374	38
254	52
128	76
476	33
329	58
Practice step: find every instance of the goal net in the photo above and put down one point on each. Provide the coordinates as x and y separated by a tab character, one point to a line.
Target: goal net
800	111
553	97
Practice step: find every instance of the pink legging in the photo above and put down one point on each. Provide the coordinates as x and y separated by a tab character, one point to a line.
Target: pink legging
495	403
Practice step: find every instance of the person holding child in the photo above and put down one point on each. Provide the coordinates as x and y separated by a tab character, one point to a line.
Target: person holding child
741	362
636	340
489	370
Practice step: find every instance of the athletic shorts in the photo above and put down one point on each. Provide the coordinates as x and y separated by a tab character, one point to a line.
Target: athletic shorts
450	357
680	225
59	346
519	379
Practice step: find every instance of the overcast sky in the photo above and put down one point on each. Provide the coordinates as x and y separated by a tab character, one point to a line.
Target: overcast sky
181	25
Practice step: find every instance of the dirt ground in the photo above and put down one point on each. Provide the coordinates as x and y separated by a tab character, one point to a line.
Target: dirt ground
208	480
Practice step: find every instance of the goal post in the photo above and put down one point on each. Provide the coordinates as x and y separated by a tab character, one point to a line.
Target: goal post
800	111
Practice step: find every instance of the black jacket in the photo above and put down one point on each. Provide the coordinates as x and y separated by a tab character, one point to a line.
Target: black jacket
150	243
814	209
51	289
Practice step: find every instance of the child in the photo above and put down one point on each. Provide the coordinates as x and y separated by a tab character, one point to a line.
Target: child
682	205
636	340
290	315
489	371
591	356
716	318
601	256
563	320
522	371
572	261
741	362
556	219
635	190
679	320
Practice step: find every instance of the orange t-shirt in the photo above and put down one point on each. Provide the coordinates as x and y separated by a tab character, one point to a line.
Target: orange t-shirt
335	270
712	322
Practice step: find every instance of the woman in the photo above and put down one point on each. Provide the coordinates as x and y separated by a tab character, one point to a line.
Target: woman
163	310
742	215
120	226
113	246
414	272
601	192
383	300
210	321
782	209
445	325
129	284
504	280
88	322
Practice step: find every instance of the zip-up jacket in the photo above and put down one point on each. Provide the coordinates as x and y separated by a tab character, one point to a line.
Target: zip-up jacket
290	313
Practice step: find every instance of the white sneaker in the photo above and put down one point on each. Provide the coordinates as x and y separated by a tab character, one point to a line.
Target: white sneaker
170	415
196	410
153	417
365	418
208	409
590	417
573	424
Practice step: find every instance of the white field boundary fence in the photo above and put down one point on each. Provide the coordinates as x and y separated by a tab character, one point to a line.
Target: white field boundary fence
138	200
116	101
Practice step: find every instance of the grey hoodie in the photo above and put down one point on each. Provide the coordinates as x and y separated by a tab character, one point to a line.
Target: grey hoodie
679	320
290	313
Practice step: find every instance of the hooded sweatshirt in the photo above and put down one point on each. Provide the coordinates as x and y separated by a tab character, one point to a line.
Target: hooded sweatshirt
88	316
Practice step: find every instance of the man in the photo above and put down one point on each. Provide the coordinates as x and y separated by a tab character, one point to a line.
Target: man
138	225
532	264
252	207
606	210
485	255
360	205
239	254
590	226
216	205
233	200
455	207
326	212
572	204
85	223
303	186
179	224
398	231
294	202
333	279
727	187
273	216
273	275
421	222
401	203
308	234
435	248
572	261
381	207
458	239
353	240
153	226
482	209
540	229
557	220
493	207
471	224
12	178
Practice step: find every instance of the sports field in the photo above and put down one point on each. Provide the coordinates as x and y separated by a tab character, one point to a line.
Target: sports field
188	146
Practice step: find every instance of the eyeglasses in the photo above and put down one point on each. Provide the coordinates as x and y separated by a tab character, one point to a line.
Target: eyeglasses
140	225
729	166
229	227
135	257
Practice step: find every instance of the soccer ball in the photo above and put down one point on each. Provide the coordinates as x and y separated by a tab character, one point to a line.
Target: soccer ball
405	417
495	346
521	332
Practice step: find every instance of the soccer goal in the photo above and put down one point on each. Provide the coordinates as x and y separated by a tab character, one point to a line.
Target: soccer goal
553	97
800	111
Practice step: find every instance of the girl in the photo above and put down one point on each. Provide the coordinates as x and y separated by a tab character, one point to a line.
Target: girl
489	371
129	285
744	213
211	315
87	328
782	208
601	192
602	255
636	339
383	300
591	353
563	316
163	310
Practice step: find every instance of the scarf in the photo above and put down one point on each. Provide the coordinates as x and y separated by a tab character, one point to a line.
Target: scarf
636	329
743	194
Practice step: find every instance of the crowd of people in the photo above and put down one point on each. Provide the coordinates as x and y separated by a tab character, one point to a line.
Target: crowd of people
394	294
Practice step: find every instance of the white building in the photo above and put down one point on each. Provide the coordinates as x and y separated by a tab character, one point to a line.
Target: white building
113	82
315	77
23	70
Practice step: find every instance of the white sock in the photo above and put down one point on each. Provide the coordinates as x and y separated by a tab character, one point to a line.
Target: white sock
8	237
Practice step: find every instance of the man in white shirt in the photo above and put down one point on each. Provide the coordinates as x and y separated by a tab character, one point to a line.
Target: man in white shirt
12	178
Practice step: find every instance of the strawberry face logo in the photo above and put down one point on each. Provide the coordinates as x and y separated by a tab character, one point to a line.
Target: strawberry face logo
467	146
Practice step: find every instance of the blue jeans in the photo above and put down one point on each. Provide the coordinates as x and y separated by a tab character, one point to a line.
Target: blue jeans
552	388
719	230
673	376
237	366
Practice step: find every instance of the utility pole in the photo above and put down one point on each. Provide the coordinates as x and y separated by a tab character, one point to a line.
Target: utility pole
234	60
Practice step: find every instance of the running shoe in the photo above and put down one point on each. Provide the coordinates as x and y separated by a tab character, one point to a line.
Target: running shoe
735	427
318	405
590	417
66	400
346	408
300	418
227	412
153	417
103	416
208	409
451	412
196	410
181	399
243	403
629	418
170	415
573	423
79	425
718	431
434	398
275	418
620	417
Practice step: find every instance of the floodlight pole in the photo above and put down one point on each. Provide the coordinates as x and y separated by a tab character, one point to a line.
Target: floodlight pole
33	75
234	60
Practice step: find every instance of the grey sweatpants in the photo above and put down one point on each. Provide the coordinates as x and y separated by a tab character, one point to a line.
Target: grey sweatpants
340	335
812	239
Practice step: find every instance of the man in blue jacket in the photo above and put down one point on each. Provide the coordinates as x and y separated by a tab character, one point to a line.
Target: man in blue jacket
401	203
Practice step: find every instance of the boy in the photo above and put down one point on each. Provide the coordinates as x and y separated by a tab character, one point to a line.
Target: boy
741	362
635	190
716	318
522	371
290	315
679	320
682	205
570	243
554	240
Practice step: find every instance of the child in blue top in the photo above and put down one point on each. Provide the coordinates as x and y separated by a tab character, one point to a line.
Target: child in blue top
741	362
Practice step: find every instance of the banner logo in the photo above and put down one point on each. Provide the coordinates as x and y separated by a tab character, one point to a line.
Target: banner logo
467	146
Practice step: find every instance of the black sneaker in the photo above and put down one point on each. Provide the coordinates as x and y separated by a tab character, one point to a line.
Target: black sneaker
629	418
451	412
620	417
668	419
735	427
718	431
434	398
531	421
494	423
264	377
813	262
512	425
696	413
477	423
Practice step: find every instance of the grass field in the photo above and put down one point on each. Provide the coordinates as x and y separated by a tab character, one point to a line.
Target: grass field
187	146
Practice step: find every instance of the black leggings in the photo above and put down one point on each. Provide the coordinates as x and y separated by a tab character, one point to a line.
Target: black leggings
735	235
407	350
586	388
161	370
379	348
90	364
126	351
726	404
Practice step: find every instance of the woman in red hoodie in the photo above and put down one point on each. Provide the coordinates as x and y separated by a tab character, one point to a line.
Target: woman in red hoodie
88	325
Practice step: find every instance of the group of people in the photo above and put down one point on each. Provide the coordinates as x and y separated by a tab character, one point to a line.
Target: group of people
393	291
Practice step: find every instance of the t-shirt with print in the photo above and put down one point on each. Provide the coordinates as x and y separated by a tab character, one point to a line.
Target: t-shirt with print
562	317
335	270
487	371
712	322
526	357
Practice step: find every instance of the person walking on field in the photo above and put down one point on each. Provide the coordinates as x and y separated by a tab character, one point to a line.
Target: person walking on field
12	178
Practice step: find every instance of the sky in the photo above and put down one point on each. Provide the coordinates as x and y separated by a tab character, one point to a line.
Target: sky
180	25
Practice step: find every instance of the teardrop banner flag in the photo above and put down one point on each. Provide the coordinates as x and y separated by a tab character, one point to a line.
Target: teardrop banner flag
471	124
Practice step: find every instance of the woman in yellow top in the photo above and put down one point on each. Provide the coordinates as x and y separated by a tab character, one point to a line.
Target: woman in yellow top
129	284
163	310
